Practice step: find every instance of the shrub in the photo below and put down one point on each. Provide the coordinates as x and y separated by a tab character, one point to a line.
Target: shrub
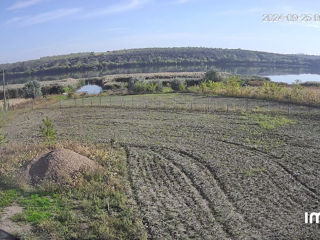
178	85
48	132
71	95
54	89
81	83
159	87
131	84
136	86
32	89
68	89
213	76
233	85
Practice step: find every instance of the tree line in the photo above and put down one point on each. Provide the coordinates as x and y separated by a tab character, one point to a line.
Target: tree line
156	57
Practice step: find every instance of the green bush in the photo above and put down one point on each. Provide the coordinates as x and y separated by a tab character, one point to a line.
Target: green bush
131	84
141	87
32	89
233	85
178	85
213	76
81	83
159	87
49	90
48	132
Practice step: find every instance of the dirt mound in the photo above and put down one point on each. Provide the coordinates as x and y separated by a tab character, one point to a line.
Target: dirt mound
61	166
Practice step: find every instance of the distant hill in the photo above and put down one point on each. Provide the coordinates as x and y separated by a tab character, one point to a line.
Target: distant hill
157	57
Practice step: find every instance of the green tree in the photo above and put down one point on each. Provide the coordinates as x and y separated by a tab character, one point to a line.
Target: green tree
48	132
178	85
212	75
32	89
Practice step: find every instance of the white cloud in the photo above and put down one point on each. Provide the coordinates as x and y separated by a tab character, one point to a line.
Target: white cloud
23	4
132	4
43	17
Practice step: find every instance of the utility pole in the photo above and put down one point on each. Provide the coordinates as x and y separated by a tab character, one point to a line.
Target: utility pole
4	92
8	97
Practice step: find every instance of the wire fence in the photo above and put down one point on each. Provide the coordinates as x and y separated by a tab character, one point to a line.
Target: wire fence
177	102
187	102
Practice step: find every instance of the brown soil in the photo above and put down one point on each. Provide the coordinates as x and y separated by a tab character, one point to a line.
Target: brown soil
7	225
61	166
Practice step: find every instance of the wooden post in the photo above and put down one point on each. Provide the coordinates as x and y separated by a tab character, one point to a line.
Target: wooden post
247	105
4	92
8	98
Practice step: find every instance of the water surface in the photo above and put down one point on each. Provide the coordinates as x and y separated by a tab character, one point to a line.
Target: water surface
292	78
90	89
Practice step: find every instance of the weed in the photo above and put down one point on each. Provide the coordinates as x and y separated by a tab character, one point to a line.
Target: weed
2	137
40	208
96	208
48	131
254	171
268	122
7	197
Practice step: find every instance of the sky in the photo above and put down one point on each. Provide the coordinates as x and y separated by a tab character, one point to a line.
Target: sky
30	29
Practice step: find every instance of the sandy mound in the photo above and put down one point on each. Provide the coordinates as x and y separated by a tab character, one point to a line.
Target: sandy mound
61	166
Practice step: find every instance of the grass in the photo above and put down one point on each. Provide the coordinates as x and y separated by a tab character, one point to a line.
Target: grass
268	122
254	171
96	207
7	197
40	208
233	87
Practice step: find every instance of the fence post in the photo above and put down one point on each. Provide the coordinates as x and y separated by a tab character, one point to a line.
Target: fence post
100	100
247	105
60	104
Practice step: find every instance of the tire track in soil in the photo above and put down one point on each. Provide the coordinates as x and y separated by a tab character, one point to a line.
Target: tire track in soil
171	167
204	233
179	181
249	228
246	227
310	191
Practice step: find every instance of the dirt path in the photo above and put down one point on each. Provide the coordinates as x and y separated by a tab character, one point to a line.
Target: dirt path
6	224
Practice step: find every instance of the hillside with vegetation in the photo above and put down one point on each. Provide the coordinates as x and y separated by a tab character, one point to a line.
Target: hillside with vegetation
157	57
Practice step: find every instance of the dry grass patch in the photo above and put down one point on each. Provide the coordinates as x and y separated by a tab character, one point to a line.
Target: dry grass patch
95	206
